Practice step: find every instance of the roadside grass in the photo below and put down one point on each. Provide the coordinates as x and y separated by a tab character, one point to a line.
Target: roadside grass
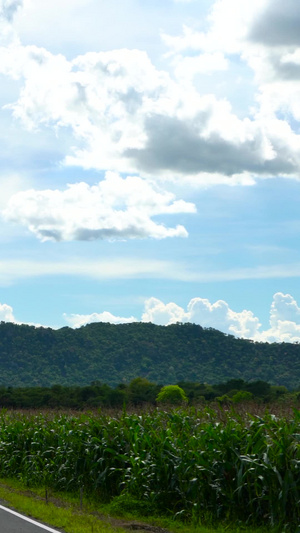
74	515
67	517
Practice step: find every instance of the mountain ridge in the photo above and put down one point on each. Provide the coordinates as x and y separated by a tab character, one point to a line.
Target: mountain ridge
115	353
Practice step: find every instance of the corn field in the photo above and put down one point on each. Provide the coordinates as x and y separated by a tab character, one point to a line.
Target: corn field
193	465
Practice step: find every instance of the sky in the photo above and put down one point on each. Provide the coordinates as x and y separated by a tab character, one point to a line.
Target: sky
150	164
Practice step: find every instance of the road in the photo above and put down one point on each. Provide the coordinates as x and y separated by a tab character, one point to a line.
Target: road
13	522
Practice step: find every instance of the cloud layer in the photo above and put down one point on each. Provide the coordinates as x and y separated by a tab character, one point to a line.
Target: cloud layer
126	115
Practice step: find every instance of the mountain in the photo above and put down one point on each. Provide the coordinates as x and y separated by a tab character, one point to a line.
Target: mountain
113	354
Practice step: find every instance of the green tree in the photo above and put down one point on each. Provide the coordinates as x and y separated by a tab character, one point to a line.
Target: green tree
140	390
172	395
242	396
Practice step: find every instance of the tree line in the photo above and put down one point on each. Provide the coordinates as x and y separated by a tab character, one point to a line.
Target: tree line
140	392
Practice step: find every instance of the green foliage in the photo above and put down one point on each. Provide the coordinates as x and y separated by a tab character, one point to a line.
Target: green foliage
125	504
195	465
242	396
140	392
172	395
224	400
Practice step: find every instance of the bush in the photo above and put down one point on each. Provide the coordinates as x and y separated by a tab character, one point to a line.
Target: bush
242	396
125	504
172	395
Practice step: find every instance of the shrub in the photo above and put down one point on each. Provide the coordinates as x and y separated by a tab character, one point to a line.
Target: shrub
172	395
242	396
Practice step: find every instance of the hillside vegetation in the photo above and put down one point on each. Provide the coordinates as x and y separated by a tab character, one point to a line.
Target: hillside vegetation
112	354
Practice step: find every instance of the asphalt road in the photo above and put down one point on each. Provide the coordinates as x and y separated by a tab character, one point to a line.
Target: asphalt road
13	522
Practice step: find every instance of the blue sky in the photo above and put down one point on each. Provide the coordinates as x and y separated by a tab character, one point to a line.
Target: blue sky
150	164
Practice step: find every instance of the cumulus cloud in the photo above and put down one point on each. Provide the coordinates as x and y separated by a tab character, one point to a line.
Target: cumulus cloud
6	313
102	97
200	311
115	208
186	68
8	8
229	24
220	316
284	318
284	307
190	148
128	116
264	35
163	314
76	320
277	24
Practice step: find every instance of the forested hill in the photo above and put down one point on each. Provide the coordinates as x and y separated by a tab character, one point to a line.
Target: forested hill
119	353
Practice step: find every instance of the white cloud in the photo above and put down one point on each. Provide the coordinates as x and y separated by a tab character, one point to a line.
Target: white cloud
229	22
284	307
102	97
10	184
219	316
8	8
76	320
6	313
126	115
183	1
284	318
115	267
186	68
264	34
122	267
200	311
163	314
115	208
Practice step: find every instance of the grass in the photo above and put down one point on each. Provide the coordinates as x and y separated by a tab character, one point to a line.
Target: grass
67	518
66	513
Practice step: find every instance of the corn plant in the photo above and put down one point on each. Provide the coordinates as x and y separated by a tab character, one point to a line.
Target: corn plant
190	464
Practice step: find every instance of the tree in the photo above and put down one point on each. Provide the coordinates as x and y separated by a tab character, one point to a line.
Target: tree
242	396
140	390
172	395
